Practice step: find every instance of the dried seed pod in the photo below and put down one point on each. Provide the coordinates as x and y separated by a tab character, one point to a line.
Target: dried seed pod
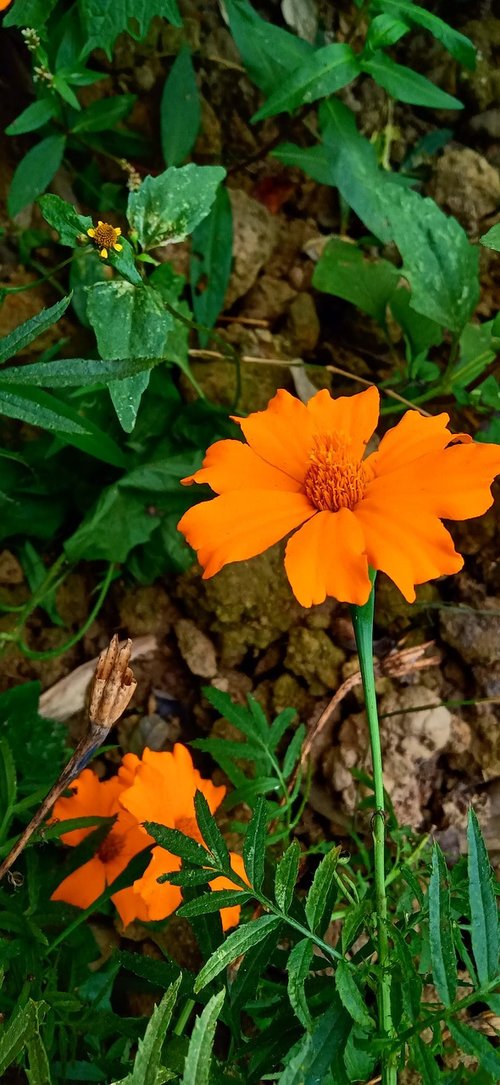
113	685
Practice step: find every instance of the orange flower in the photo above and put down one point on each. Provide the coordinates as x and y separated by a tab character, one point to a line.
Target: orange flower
155	900
4	4
124	840
304	465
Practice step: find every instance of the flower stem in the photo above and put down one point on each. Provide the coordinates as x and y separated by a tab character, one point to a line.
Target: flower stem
362	617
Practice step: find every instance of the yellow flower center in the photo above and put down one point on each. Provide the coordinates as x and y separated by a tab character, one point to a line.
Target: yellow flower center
334	479
105	235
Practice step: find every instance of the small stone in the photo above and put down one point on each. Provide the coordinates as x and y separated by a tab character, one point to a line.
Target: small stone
474	636
303	325
466	185
255	233
10	569
313	656
196	649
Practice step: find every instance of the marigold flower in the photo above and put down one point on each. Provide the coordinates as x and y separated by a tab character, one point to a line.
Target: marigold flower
105	237
125	839
303	467
4	4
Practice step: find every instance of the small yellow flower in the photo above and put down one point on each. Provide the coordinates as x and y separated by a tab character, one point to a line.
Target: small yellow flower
105	237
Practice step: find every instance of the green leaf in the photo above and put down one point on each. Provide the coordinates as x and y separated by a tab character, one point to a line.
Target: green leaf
424	1061
38	1071
168	207
286	876
75	372
491	240
17	1033
343	271
350	996
147	1060
213	902
320	1050
321	896
483	906
254	845
406	85
104	113
298	965
198	1065
419	332
8	783
124	262
103	20
238	942
180	110
384	30
268	52
86	269
41	409
293	751
474	1043
210	831
35	172
457	44
325	71
444	965
29	13
211	262
25	333
178	844
34	116
64	218
112	527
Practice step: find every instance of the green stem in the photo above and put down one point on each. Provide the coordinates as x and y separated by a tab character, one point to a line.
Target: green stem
362	617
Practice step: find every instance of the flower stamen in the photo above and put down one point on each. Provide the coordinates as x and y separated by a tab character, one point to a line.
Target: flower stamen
334	479
105	237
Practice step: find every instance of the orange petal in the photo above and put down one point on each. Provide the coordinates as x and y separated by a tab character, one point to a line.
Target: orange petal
128	768
454	483
413	436
160	899
130	906
355	416
406	541
282	434
231	465
238	525
231	916
83	886
327	557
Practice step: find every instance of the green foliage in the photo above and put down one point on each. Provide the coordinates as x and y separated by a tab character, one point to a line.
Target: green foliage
180	110
169	207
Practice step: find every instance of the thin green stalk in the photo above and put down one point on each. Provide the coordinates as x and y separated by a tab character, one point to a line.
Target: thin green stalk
362	617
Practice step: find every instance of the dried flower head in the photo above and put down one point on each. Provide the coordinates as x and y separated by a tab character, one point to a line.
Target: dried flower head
105	237
113	685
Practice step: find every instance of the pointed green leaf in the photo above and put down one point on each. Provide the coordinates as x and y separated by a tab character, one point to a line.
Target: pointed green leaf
298	965
406	85
210	831
197	1068
16	1034
211	261
474	1043
238	942
25	333
180	110
147	1060
351	998
457	44
323	891
41	409
269	53
35	172
483	906
168	207
31	118
343	271
75	372
254	845
286	876
104	20
325	71
63	217
213	902
179	844
444	965
320	1050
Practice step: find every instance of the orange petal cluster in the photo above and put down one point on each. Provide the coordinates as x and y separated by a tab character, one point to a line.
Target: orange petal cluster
157	787
304	470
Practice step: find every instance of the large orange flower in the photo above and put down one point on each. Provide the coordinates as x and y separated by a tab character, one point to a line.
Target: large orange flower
92	797
154	900
304	467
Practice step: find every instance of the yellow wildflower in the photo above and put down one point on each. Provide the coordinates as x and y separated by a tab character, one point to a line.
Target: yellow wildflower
105	237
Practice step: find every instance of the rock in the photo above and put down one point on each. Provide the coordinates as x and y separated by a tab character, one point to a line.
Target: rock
391	609
475	637
269	298
466	186
10	569
196	649
482	86
288	693
255	233
145	610
313	656
303	325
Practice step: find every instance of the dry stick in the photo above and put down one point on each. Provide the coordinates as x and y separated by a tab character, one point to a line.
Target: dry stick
113	686
251	360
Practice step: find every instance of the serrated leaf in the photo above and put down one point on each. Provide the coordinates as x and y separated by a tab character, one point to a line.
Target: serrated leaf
103	20
29	13
63	217
25	333
38	1071
178	844
32	118
246	980
491	240
325	71
210	831
280	726
286	876
269	53
474	1043
351	998
254	845
35	172
298	965
293	751
213	902
321	896
75	372
38	408
444	965
147	1060
424	1062
320	1050
8	783
406	85
197	1068
211	262
457	44
180	110
238	942
16	1034
483	906
343	271
165	209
